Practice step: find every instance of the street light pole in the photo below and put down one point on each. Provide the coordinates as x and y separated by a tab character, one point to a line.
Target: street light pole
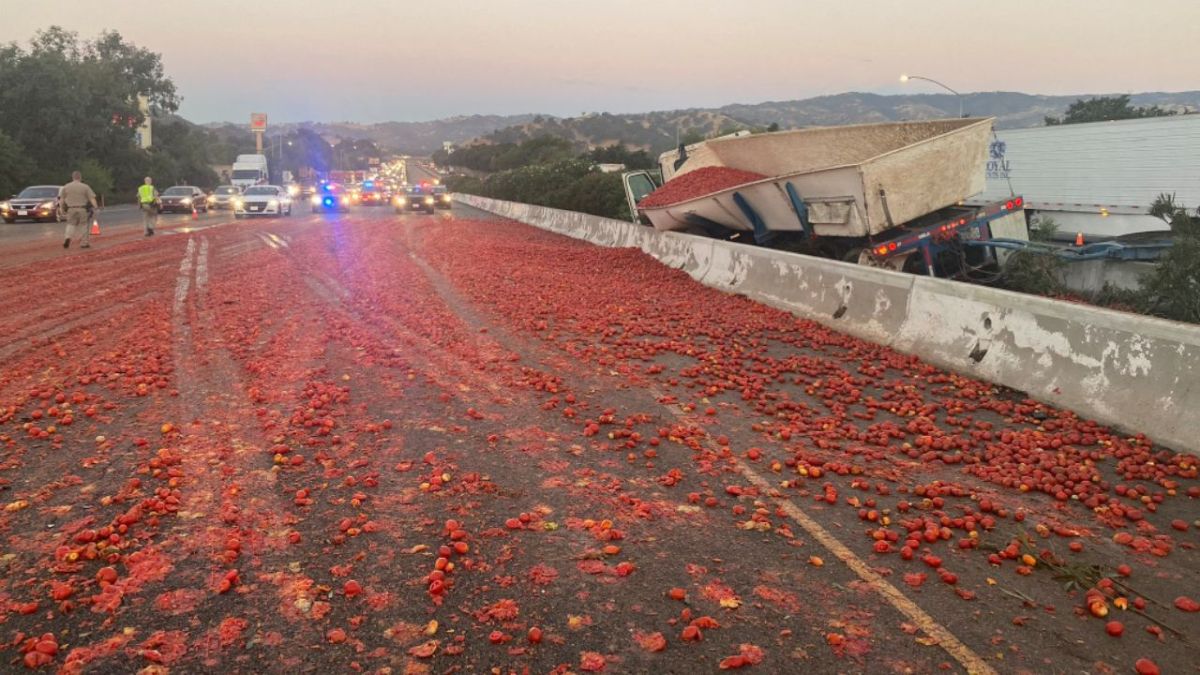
906	78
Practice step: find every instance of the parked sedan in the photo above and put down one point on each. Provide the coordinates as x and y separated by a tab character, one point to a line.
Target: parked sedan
36	203
263	200
183	198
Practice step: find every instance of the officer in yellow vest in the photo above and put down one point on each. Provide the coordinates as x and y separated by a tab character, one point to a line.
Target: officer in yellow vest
148	201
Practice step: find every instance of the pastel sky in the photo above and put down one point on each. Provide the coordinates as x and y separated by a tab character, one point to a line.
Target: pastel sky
374	60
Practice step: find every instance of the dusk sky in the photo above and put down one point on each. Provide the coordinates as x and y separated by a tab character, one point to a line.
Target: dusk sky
375	60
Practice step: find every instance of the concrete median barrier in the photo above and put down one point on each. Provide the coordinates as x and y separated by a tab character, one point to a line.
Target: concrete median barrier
1133	372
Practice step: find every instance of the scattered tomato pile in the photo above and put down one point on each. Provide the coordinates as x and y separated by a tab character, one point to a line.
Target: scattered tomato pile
447	444
937	465
693	184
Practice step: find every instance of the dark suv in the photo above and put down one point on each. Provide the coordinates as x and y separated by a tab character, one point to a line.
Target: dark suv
441	197
415	199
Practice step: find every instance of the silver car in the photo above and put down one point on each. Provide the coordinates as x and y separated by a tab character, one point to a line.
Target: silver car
222	198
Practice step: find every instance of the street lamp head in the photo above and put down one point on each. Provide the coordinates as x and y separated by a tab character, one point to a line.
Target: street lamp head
904	78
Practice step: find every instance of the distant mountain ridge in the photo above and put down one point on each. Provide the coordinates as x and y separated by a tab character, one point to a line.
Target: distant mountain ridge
413	138
1011	109
658	130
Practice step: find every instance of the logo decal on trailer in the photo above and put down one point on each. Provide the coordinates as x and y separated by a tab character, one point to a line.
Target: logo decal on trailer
997	166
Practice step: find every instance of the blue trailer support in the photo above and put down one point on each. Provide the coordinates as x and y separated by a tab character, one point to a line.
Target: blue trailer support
762	235
800	208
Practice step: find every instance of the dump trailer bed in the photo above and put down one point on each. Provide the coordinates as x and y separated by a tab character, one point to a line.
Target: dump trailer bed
849	181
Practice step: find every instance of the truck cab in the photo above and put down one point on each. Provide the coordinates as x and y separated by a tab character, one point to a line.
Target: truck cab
638	184
249	170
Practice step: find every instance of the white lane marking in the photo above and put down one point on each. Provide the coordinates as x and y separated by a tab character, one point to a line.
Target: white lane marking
283	242
268	241
185	277
202	265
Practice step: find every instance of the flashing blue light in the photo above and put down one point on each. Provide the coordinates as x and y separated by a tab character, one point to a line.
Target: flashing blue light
329	201
368	184
325	187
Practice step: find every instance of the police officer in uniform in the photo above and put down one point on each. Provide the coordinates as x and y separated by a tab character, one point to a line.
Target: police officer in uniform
77	200
148	201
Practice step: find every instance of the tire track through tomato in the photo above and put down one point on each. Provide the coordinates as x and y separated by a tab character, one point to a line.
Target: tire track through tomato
971	661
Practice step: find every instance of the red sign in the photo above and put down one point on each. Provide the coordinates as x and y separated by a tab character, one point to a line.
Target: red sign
258	121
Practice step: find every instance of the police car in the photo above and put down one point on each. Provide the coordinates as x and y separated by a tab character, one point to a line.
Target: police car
330	197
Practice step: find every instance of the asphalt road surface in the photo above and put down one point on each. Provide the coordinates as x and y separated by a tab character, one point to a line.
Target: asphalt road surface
418	173
23	241
408	443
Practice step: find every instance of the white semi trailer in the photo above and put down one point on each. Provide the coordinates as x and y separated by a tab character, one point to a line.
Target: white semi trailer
1100	178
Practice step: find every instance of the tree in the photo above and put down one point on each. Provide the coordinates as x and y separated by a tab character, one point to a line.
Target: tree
14	167
64	100
1103	109
619	154
692	136
97	177
1172	290
179	155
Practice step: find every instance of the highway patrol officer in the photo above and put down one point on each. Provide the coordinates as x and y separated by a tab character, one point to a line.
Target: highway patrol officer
77	200
148	201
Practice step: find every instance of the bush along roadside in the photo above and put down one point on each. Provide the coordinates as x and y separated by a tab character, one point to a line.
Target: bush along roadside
570	184
1170	291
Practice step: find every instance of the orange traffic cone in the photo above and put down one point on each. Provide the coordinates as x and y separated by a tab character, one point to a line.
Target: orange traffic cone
1079	239
194	214
96	227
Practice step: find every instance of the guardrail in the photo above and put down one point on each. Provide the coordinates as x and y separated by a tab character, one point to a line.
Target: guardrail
1132	372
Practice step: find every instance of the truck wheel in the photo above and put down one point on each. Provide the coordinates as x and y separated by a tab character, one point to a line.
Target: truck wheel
853	255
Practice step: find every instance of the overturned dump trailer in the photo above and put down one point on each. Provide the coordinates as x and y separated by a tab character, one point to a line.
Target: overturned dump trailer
879	194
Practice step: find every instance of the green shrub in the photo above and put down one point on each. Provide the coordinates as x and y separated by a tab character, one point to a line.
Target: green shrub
1034	273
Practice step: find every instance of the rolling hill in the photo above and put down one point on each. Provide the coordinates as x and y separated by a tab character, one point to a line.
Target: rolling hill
657	131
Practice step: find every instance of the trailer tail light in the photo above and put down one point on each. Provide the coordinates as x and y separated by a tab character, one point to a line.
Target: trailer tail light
882	250
1019	201
891	246
1008	206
